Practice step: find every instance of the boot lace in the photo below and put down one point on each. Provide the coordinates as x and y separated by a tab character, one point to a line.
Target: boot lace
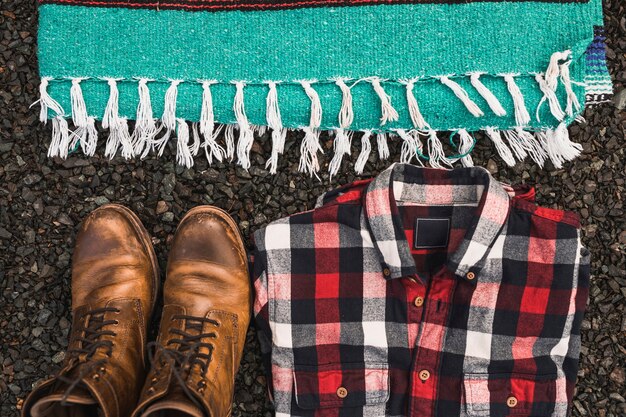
184	352
93	328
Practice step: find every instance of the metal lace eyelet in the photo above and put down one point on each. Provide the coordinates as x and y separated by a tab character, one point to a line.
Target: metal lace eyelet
151	390
103	370
200	389
117	322
95	377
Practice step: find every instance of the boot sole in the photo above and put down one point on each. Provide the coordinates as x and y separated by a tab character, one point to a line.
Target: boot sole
144	236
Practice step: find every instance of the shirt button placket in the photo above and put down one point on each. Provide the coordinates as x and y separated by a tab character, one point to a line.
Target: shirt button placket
435	318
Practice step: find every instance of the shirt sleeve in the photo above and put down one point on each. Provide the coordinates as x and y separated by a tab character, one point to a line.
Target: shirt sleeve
261	305
570	363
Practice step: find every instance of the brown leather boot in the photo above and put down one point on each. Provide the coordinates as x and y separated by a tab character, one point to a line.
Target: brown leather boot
205	318
114	285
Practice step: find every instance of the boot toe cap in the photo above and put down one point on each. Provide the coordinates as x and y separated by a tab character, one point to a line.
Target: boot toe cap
106	229
113	257
208	234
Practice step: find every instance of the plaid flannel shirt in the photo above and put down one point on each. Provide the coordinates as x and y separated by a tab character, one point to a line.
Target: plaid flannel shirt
356	316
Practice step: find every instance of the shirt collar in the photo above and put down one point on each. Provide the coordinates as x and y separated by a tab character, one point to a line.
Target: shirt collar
433	186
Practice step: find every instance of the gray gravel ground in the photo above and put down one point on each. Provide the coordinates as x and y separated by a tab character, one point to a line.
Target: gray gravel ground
42	201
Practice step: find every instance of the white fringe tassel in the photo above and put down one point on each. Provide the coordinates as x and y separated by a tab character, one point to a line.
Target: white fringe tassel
532	146
436	155
411	144
88	138
503	150
465	145
118	126
522	118
550	95
490	98
343	138
462	95
310	146
341	147
79	109
206	126
572	99
60	137
414	110
388	113
146	125
194	148
210	145
85	133
524	144
346	113
119	136
229	138
514	143
552	76
207	118
382	145
246	136
168	119
169	108
183	151
47	102
274	121
366	148
559	147
552	73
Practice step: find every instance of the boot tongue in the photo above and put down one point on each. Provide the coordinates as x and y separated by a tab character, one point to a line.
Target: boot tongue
79	397
175	404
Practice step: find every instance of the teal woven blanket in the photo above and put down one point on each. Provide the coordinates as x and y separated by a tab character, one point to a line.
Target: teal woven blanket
215	75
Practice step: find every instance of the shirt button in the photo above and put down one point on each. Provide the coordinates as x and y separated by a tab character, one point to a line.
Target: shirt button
386	272
424	375
419	301
470	275
511	401
342	392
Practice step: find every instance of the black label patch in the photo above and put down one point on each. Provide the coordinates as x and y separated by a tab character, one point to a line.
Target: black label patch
431	233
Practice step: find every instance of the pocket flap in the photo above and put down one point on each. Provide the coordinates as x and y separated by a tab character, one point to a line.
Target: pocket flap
509	394
341	385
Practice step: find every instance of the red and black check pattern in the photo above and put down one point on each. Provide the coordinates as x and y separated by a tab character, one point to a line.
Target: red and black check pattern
354	319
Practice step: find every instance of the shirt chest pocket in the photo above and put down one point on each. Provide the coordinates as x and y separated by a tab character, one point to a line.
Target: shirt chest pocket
341	385
498	395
